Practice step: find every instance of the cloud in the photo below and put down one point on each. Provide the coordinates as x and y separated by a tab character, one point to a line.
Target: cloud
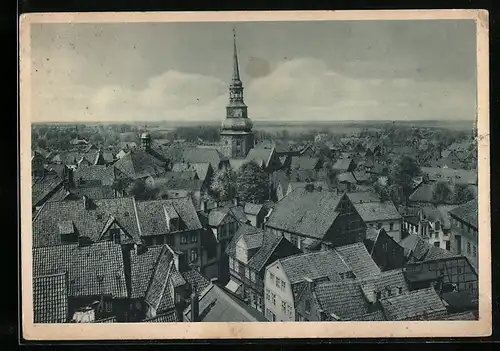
298	89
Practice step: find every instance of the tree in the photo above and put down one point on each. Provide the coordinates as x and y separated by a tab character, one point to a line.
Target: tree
223	186
462	194
402	172
252	184
441	193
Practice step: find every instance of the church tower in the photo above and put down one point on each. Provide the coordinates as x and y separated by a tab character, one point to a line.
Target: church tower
236	135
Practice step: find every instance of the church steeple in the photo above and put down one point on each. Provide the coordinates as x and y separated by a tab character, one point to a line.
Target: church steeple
236	69
236	133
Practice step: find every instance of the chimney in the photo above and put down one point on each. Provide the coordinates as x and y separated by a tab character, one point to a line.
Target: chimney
86	203
195	305
140	248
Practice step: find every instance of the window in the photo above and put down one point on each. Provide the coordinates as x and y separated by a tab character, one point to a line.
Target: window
194	237
273	296
283	307
231	263
241	268
436	243
468	248
193	255
283	285
278	282
247	273
272	278
252	276
268	295
448	245
391	226
474	250
184	239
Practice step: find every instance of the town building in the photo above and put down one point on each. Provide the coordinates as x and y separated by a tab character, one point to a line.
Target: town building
378	214
308	217
249	252
464	231
285	278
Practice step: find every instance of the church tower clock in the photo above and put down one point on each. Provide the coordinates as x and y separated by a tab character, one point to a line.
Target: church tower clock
236	134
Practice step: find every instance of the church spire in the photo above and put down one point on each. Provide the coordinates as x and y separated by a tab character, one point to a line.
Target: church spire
236	70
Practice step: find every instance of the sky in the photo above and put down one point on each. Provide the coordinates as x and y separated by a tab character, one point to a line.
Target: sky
291	71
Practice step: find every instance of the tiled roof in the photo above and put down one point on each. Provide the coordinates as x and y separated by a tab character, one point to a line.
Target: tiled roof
302	175
418	249
265	251
96	174
167	317
361	176
359	261
174	175
196	279
87	222
452	175
152	215
43	187
252	209
244	229
50	298
377	211
150	273
217	215
342	164
217	304
92	270
344	299
424	193
260	156
308	213
201	169
94	192
106	320
314	265
238	213
416	304
254	241
392	279
142	267
438	213
139	164
362	197
202	155
304	162
346	177
467	212
237	163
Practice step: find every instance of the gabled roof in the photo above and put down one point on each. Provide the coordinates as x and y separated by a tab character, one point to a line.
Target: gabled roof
139	164
393	279
167	317
346	177
217	304
202	155
87	222
252	209
243	230
196	279
413	305
362	197
99	175
201	169
308	213
50	298
304	162
467	212
92	270
325	264
343	299
342	164
451	175
417	249
377	211
94	192
357	258
217	215
42	188
261	156
152	215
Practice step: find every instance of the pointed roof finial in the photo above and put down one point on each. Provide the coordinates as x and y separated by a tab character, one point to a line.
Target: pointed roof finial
236	70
